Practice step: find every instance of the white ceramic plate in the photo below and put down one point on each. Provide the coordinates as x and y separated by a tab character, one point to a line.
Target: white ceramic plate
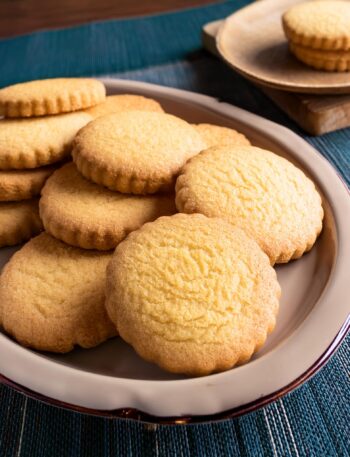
112	379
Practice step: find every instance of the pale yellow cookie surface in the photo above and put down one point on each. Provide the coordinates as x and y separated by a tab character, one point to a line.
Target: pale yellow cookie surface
125	102
135	152
50	96
264	194
31	143
322	60
18	221
52	296
23	184
84	214
192	294
215	135
319	24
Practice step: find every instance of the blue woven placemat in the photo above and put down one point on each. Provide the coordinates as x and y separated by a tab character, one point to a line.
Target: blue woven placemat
312	421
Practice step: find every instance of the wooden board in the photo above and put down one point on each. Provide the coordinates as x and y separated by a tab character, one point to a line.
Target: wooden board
317	114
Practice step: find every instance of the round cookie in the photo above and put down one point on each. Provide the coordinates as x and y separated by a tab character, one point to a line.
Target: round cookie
319	25
31	143
50	96
19	221
322	60
23	184
267	196
125	102
135	152
193	294
84	214
215	135
52	296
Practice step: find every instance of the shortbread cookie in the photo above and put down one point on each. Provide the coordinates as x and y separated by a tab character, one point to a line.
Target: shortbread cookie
50	96
23	184
84	214
215	135
322	60
319	24
192	294
31	143
125	102
19	221
52	296
264	194
135	152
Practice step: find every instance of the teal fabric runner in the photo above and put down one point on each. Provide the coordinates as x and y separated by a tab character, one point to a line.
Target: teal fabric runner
311	421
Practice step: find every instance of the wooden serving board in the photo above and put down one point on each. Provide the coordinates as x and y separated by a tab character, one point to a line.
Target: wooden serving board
316	114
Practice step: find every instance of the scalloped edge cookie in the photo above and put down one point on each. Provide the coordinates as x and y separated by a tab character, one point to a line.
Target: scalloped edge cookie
19	221
322	60
50	96
23	184
71	210
35	142
204	339
304	25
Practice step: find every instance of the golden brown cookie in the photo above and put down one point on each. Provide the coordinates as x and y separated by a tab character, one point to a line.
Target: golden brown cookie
23	184
125	102
19	221
31	143
84	214
321	25
135	152
193	294
215	135
50	96
322	60
265	195
52	296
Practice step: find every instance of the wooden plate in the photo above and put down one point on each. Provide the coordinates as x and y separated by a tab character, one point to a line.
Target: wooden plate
113	380
253	43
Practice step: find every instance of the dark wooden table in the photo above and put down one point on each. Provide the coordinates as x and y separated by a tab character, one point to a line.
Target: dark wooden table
23	16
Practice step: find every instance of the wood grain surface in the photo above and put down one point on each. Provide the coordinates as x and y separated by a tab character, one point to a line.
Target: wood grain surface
18	17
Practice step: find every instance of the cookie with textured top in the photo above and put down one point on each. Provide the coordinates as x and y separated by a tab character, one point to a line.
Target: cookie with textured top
52	296
215	135
124	102
264	194
135	152
84	214
322	60
193	294
321	25
50	96
19	221
23	184
31	143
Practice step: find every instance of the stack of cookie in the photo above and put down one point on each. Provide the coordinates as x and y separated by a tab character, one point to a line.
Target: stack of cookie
34	137
194	292
319	34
